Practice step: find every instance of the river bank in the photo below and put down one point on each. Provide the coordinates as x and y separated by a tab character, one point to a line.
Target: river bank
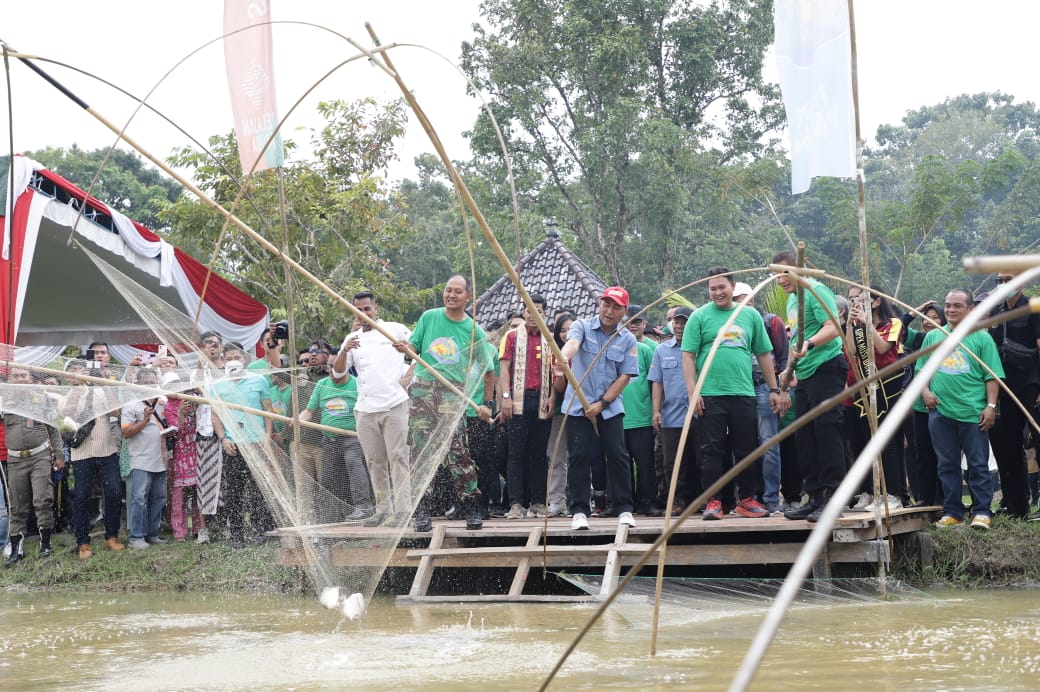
1007	555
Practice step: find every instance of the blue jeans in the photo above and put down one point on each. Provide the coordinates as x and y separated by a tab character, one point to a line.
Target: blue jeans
147	502
84	471
950	438
768	425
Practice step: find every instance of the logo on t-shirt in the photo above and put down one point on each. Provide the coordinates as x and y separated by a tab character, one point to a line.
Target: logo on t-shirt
734	337
444	350
955	364
337	408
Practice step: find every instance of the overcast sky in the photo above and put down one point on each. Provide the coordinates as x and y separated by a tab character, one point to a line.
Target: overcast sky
911	53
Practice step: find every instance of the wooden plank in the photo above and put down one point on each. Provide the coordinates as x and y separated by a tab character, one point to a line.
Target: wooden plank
496	598
424	573
345	556
612	568
523	566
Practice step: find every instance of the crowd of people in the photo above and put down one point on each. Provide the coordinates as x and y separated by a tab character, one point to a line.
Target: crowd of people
683	401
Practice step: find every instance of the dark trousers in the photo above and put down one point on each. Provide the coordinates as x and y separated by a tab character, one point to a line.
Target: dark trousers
481	445
1007	440
821	443
729	430
640	445
688	485
586	450
927	463
858	430
790	471
528	465
85	471
243	492
344	484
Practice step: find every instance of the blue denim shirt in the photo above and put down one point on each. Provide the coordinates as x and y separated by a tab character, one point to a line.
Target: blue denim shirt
666	368
618	359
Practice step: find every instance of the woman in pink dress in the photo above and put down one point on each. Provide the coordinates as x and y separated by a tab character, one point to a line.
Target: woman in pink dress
181	413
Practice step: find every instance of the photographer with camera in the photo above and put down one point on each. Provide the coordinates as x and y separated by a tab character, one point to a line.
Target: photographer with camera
143	430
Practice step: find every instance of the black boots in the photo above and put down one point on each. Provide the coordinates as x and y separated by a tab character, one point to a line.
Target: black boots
45	542
423	524
17	550
474	522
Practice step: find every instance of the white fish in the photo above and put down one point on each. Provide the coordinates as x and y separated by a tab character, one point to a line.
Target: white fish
329	597
354	606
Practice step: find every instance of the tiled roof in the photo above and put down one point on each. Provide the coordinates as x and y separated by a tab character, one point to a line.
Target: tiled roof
551	270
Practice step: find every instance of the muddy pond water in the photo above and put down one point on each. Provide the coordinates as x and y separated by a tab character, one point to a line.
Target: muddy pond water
945	640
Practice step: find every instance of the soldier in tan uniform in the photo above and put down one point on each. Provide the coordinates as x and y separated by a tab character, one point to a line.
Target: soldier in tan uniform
33	451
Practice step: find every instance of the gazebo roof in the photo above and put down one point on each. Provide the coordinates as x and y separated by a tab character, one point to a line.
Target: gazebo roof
551	270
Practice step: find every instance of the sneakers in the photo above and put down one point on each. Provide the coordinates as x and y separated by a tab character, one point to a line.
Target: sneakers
863	500
557	509
138	544
949	520
114	544
516	511
579	522
800	512
981	521
203	536
892	501
85	553
538	511
713	511
155	540
626	519
751	508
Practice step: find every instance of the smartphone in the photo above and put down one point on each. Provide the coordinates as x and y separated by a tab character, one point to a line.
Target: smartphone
89	355
163	352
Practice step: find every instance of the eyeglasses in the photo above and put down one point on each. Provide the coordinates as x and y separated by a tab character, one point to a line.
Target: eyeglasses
1003	279
315	349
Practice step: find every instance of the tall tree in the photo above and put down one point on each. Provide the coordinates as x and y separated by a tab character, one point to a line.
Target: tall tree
611	100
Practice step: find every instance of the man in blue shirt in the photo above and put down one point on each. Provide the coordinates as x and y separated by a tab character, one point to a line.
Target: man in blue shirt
603	359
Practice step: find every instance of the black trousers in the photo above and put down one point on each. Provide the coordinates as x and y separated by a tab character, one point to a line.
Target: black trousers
729	431
821	443
586	450
243	492
1007	437
640	445
528	465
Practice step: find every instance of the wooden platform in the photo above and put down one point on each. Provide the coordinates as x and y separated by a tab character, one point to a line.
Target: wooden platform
605	548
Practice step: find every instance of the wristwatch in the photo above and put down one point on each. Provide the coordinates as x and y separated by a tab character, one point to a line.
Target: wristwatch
992	406
809	345
774	390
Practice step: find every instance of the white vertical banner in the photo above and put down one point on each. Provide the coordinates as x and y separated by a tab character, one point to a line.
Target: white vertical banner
249	56
814	59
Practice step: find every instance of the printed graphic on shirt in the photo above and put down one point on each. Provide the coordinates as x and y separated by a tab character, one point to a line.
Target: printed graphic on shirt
734	337
337	408
955	364
444	350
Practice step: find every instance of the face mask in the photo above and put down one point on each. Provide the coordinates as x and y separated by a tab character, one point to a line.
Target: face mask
232	367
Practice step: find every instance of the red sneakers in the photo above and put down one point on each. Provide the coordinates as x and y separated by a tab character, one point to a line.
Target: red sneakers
712	511
750	507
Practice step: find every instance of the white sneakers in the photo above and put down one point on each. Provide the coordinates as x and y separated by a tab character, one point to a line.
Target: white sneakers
862	500
579	522
203	536
892	501
626	518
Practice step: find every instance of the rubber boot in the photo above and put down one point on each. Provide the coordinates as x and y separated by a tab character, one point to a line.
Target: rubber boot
17	550
473	519
423	524
45	542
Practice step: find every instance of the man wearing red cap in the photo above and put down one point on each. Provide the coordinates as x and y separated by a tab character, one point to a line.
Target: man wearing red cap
602	380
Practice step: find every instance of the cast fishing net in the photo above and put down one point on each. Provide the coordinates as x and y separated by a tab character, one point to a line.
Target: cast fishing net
311	516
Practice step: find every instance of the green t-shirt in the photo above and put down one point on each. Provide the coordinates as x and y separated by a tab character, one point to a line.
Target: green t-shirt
460	351
639	407
960	382
815	318
281	403
335	403
730	373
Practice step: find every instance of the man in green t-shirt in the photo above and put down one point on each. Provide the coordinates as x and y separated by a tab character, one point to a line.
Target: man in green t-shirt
961	399
727	405
820	371
343	476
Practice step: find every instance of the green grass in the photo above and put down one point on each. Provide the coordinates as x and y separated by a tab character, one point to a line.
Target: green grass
173	566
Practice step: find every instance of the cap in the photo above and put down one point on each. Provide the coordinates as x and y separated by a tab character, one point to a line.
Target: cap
741	289
683	311
169	378
635	312
616	294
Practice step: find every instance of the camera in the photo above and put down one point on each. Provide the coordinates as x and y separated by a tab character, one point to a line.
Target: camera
280	330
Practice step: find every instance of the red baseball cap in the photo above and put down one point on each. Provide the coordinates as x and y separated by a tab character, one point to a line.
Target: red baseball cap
616	294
